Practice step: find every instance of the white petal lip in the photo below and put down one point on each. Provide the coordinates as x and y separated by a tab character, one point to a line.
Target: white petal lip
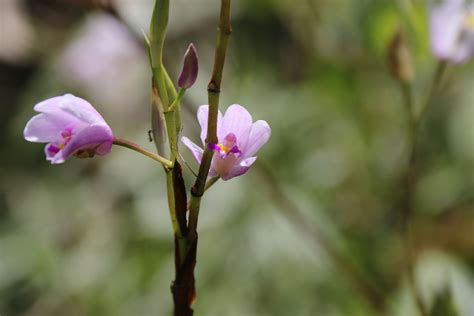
53	158
195	149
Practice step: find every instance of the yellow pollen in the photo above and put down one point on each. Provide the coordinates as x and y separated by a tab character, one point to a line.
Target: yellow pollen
223	148
61	147
469	20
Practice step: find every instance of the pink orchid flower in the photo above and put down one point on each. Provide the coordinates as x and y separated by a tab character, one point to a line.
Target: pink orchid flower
452	30
70	126
239	139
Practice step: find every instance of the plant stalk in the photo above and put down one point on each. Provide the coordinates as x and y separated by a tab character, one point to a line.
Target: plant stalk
409	177
182	288
213	89
127	144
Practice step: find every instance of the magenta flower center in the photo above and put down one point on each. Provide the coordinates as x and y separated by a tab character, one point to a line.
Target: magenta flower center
226	147
66	135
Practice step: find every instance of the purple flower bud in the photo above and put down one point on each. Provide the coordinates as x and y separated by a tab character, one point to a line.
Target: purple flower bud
189	72
70	126
399	58
239	139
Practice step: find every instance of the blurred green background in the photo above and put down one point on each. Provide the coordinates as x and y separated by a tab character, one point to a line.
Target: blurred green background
93	237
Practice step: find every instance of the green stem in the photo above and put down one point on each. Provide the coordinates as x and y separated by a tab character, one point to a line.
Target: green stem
407	93
172	204
213	89
158	25
409	176
170	85
409	186
125	143
183	288
210	183
177	100
435	85
173	94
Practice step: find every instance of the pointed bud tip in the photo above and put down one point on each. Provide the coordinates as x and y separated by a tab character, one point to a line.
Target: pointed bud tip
189	71
399	58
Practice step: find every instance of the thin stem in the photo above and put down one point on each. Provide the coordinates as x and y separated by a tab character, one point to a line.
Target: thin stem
435	85
173	94
176	101
408	184
210	183
127	144
410	176
183	288
170	85
407	93
213	89
172	204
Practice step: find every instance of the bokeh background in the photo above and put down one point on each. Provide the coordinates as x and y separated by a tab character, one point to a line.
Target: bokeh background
93	237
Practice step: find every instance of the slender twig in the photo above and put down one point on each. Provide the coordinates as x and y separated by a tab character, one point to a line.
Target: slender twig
175	104
213	89
434	88
210	183
409	178
127	144
408	185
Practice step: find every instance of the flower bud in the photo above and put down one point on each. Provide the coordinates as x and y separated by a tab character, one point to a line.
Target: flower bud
399	58
189	72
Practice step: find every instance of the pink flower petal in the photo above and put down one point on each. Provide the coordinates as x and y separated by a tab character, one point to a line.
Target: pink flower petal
97	137
53	156
202	116
45	128
238	141
259	135
236	120
77	107
195	149
240	169
446	21
69	124
212	172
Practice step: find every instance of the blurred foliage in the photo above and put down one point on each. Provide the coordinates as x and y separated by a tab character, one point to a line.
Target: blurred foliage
443	305
93	237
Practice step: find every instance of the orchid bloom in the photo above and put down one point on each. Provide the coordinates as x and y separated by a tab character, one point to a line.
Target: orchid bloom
452	30
70	126
239	139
